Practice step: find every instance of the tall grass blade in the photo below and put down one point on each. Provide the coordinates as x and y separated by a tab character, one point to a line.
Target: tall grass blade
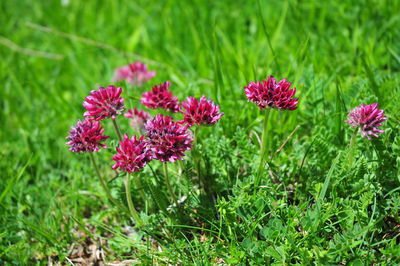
264	26
14	180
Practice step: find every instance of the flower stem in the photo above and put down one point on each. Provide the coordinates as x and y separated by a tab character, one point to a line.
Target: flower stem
196	132
117	129
131	207
352	146
264	147
196	157
104	183
169	187
140	189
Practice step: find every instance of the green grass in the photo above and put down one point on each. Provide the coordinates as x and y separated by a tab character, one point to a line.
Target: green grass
311	208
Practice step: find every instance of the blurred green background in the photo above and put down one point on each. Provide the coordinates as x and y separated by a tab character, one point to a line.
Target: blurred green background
338	54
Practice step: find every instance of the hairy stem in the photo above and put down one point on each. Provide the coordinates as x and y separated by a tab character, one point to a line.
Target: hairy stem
140	188
131	207
263	148
196	132
352	146
117	129
104	184
167	181
196	158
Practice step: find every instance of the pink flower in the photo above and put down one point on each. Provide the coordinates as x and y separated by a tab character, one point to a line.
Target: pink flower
368	118
200	112
86	136
167	139
104	103
135	73
271	94
160	97
132	154
138	119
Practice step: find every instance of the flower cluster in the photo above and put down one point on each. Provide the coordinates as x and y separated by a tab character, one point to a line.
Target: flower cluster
135	73
104	103
165	139
132	154
367	118
138	119
86	136
168	140
161	97
203	112
271	94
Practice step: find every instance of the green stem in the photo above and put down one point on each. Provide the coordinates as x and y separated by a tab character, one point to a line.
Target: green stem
196	132
264	147
264	136
196	158
169	187
104	183
130	202
203	182
140	188
117	129
352	147
180	170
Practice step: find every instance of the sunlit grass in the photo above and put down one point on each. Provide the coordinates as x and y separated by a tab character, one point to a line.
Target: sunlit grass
310	208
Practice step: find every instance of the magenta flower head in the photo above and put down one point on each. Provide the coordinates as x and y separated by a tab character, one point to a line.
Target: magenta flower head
160	97
167	139
86	136
203	112
135	73
132	154
104	103
138	119
271	94
368	118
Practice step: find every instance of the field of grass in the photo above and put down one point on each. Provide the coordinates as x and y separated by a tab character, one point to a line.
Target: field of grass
312	206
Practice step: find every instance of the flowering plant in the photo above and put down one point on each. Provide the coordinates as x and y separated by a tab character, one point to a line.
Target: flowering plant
161	97
367	119
163	139
135	73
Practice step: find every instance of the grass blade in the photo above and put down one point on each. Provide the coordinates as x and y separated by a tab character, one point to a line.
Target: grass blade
13	181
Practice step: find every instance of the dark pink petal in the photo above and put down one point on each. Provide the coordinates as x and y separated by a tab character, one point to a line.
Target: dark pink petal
367	118
271	94
203	112
132	154
168	140
161	97
86	136
104	103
